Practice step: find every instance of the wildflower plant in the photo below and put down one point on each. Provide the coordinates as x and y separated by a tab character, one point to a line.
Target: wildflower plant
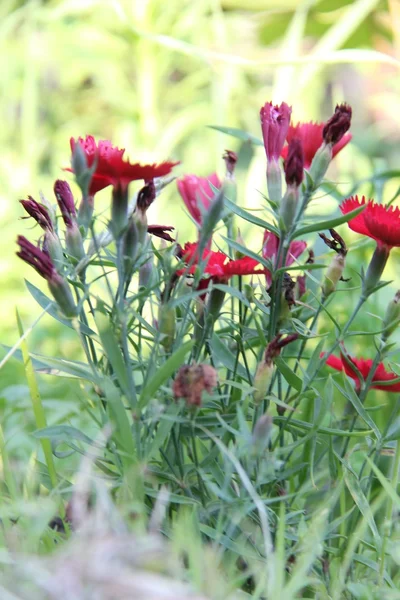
206	362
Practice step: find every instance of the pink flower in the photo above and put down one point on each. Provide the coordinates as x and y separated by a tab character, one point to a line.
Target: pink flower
270	250
275	122
197	194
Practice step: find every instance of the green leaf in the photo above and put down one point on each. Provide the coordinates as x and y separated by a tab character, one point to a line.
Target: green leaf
329	224
239	134
112	349
167	421
222	355
50	306
38	410
350	394
170	367
359	498
288	374
248	216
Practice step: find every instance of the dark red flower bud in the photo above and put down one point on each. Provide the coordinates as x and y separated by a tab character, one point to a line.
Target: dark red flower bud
37	258
65	201
294	164
161	231
41	261
337	125
274	348
146	196
39	213
230	159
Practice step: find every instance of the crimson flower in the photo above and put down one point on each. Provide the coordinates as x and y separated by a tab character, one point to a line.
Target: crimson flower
270	250
310	135
377	221
363	365
197	194
218	264
111	168
274	124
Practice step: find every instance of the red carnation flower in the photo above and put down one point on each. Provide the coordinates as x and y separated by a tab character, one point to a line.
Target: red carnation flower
112	169
218	264
270	250
310	135
363	365
197	194
377	221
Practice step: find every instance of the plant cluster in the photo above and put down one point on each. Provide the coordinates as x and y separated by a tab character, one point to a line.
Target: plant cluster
205	372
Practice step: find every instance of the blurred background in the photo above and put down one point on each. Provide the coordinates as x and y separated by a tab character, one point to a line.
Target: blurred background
152	77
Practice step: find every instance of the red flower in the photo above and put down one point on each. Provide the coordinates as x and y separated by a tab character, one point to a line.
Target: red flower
274	124
218	264
270	249
377	221
197	194
345	362
111	168
310	135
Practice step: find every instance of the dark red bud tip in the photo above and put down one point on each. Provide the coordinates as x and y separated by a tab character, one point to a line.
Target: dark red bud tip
38	212
274	348
65	201
146	196
338	124
230	159
294	164
35	257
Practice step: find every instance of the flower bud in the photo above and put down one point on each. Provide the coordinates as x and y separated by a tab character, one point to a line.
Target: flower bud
52	245
320	163
375	269
65	201
192	380
212	217
167	325
130	245
288	207
261	381
262	433
230	159
74	241
146	273
265	369
62	293
337	125
333	275
294	163
392	316
119	210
